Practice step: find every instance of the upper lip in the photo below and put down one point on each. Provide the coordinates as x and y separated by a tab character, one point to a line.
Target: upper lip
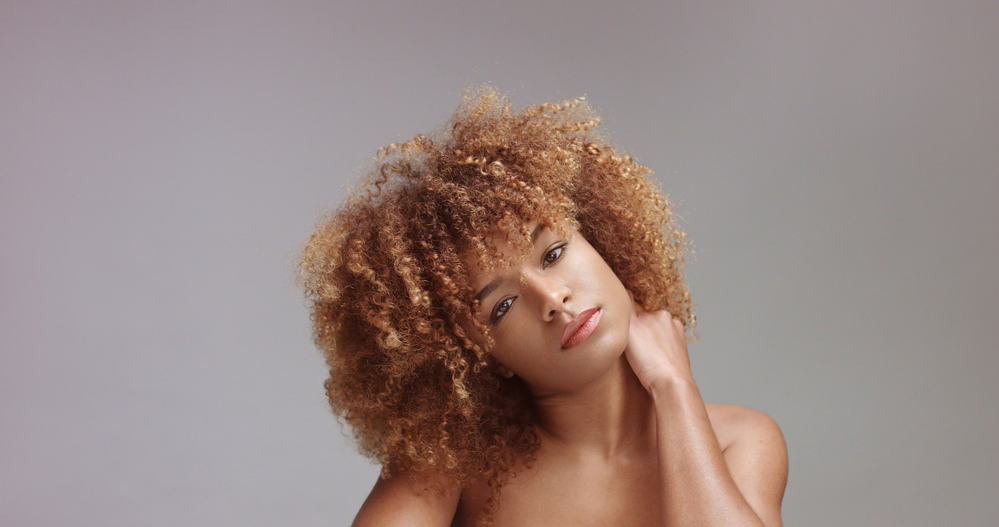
576	322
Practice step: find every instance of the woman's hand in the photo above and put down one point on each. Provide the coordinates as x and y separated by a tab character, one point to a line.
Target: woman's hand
657	348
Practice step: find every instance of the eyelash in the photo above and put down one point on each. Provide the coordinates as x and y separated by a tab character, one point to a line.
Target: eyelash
545	264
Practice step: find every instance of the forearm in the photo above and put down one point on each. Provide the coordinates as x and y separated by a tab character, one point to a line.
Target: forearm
697	486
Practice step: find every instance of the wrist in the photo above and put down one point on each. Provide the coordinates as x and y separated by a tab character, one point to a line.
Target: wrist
671	388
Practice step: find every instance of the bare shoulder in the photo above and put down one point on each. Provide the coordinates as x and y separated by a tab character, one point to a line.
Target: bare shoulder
756	456
732	423
409	499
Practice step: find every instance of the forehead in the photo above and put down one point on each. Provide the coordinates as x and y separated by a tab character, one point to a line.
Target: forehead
499	249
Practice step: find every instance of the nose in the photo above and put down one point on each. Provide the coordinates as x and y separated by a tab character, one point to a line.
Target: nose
550	293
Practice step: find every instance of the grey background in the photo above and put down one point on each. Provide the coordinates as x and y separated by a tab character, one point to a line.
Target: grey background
834	164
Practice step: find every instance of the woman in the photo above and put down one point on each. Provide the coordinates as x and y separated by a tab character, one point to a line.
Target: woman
504	316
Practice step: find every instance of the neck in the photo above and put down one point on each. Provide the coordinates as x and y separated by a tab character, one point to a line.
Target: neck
610	416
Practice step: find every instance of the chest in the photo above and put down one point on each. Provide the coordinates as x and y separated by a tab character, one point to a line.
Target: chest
578	494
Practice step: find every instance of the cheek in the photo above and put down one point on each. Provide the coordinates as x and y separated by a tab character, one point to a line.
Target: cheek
506	347
518	349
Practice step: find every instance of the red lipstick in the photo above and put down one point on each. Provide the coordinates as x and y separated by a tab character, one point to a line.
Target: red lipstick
580	328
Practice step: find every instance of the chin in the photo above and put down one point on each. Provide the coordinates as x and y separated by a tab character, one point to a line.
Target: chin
615	340
620	343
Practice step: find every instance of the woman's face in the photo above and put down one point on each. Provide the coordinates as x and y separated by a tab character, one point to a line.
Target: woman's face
560	318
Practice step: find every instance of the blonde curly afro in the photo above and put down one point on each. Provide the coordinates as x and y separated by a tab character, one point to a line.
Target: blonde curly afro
387	278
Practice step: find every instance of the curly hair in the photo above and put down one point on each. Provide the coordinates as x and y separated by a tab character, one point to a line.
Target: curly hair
387	276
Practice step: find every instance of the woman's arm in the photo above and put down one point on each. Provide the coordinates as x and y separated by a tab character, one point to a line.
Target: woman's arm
404	500
703	486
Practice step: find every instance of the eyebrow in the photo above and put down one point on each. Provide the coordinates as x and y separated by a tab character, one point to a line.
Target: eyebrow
495	282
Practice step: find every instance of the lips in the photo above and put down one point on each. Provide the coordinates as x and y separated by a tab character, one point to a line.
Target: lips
580	328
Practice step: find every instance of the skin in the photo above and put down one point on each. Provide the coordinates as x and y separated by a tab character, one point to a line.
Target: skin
562	276
625	436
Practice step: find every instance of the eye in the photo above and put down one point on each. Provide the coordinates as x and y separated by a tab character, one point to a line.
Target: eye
551	257
554	255
502	308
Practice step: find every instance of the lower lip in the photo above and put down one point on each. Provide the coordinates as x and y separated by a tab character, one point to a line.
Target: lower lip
584	331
